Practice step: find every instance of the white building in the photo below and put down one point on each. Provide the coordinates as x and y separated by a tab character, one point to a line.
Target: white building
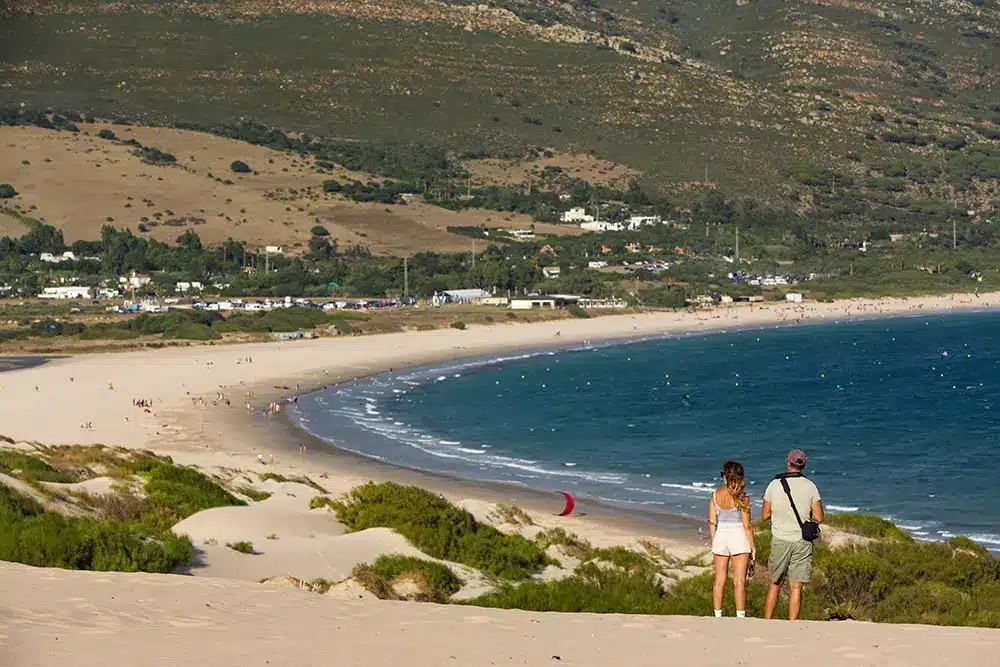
466	296
67	256
613	302
188	286
136	280
72	292
532	302
793	297
551	271
602	226
543	301
637	221
577	214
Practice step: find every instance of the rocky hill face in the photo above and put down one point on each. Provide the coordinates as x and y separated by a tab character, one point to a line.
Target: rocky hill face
839	107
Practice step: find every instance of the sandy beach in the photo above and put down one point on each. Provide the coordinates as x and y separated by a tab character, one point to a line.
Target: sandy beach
90	399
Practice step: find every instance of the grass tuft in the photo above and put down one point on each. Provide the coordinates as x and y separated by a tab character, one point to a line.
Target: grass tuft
572	545
243	546
253	494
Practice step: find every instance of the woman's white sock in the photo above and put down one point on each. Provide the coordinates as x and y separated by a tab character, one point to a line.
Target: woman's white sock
741	614
718	613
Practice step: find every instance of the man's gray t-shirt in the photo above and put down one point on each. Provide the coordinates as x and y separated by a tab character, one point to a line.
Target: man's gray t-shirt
783	523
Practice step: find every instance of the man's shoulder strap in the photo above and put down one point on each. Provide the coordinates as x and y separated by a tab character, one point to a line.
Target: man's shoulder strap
788	492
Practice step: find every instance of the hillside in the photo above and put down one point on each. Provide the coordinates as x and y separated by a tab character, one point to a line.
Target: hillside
890	99
79	182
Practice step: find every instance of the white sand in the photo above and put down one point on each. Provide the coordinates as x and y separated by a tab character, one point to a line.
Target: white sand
53	618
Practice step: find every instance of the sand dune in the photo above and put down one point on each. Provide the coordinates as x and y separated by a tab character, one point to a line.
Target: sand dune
53	618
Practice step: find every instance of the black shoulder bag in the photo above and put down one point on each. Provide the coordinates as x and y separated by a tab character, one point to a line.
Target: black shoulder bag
810	529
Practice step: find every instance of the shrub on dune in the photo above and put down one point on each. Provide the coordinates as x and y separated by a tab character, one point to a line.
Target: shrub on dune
174	493
867	525
436	582
439	529
31	536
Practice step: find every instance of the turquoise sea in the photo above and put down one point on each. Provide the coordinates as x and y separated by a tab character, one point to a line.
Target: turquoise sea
899	417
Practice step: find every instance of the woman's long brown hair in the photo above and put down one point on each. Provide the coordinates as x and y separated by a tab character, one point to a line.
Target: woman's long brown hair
736	482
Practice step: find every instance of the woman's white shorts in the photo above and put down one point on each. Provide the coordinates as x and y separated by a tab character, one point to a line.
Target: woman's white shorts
730	540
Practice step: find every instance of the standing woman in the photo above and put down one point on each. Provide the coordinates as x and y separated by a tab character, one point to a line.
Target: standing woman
732	535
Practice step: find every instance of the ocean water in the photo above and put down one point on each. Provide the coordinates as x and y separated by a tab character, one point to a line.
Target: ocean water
899	417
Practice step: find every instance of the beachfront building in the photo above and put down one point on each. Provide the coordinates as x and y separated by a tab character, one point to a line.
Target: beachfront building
68	292
535	301
461	296
793	297
532	302
600	304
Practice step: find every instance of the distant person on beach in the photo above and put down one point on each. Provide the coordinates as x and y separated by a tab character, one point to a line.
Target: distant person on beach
795	509
732	535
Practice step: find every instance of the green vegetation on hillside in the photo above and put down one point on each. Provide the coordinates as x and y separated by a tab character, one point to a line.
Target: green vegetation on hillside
842	144
667	88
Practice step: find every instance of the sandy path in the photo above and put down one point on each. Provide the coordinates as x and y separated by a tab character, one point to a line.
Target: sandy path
55	617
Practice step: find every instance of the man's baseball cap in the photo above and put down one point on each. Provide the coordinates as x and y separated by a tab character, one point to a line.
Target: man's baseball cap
797	458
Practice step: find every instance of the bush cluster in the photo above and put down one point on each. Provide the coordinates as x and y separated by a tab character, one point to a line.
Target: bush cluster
154	155
902	581
30	468
174	493
124	532
891	579
31	536
438	580
439	529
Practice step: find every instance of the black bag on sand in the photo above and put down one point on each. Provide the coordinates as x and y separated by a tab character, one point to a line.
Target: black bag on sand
810	529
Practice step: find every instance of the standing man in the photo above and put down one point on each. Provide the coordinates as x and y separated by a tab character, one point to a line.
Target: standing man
791	554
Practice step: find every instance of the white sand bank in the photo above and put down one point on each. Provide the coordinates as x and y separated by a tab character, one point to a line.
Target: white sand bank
51	618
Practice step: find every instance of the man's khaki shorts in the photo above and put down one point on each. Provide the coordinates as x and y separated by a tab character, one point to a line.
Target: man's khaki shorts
791	560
